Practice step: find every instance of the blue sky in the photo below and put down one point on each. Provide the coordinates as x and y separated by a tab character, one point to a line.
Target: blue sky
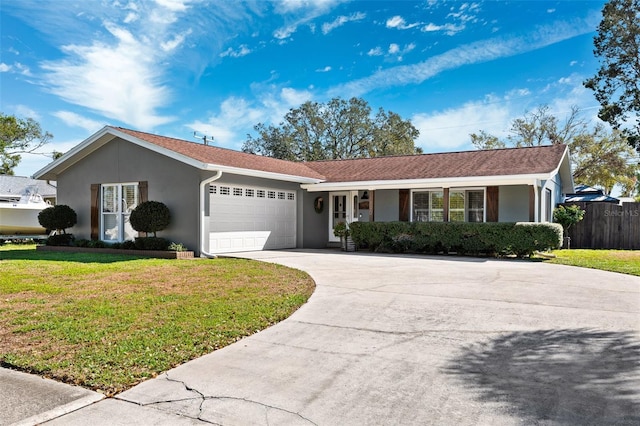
173	67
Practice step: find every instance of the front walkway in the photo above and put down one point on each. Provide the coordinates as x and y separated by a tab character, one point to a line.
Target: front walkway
415	340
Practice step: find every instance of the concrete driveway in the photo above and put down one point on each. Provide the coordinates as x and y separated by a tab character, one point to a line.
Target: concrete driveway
414	340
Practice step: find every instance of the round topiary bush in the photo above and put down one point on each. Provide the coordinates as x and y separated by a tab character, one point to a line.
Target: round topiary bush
150	216
58	218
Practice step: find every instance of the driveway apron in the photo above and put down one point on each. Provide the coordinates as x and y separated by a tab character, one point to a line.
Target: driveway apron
415	340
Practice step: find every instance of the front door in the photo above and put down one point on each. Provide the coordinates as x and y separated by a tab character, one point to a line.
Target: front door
341	210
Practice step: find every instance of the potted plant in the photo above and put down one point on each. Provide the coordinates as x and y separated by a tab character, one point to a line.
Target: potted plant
342	230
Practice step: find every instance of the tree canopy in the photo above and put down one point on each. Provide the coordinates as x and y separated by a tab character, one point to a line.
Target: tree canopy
598	157
617	82
339	129
18	136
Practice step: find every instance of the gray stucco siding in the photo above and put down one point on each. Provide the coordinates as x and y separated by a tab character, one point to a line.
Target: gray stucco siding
169	181
315	226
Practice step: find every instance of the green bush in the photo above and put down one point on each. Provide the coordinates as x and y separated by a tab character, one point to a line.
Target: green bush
487	239
128	245
150	216
60	240
152	243
58	218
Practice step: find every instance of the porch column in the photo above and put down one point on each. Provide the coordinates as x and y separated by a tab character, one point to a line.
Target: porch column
493	205
445	204
372	203
532	203
404	196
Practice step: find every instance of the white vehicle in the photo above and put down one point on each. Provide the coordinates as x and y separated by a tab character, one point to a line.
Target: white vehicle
19	213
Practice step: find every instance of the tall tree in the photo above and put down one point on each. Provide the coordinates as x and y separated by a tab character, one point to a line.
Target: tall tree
617	82
18	136
483	140
598	157
339	129
540	127
605	159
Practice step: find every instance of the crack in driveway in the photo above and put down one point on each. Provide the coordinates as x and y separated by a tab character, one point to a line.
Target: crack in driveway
204	398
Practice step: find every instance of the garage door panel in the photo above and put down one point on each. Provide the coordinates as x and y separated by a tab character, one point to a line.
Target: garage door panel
242	223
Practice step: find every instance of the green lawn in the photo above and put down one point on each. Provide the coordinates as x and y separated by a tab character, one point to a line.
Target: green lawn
623	261
107	322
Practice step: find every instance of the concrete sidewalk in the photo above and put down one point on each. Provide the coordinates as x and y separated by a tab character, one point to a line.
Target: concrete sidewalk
26	399
415	340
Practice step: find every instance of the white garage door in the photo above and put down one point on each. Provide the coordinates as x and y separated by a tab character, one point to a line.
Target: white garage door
244	218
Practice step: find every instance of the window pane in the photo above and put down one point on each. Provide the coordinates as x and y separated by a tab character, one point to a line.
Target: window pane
456	200
476	199
129	198
456	216
475	216
110	226
437	200
420	206
109	195
475	206
437	216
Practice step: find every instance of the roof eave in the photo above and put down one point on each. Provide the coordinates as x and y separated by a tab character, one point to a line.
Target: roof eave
90	144
452	182
261	174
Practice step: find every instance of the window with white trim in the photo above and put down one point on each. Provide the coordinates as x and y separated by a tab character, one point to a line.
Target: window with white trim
464	205
117	201
428	206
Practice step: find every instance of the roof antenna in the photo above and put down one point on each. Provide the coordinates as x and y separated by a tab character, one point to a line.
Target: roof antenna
204	138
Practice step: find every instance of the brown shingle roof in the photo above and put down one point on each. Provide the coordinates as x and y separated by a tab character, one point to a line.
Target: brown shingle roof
225	157
499	162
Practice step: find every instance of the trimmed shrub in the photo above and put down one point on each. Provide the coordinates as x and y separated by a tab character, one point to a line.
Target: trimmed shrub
58	218
152	243
60	240
486	239
150	216
128	245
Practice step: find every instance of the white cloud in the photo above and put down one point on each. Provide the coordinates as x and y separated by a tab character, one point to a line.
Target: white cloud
173	5
131	17
237	116
325	69
399	23
75	120
175	42
26	112
473	53
17	67
450	129
121	81
448	29
376	51
341	20
242	50
300	12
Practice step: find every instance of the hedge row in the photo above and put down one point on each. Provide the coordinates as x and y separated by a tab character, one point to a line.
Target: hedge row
490	239
140	243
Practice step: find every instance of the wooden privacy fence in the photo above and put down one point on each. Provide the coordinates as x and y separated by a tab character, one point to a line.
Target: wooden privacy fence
607	226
